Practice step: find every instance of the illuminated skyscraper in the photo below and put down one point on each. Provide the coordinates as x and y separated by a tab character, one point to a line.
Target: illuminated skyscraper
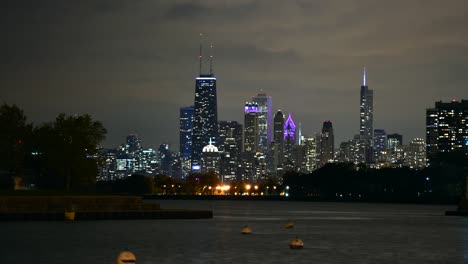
289	132
231	129
205	117
185	131
327	143
251	128
394	140
265	120
276	153
185	137
366	110
380	144
447	128
415	154
210	159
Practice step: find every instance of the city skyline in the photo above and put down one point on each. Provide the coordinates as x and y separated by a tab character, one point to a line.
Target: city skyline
133	66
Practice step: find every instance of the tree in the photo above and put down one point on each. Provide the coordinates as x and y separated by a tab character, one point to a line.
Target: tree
15	136
68	150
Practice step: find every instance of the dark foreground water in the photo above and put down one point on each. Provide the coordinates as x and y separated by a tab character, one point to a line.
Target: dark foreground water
332	233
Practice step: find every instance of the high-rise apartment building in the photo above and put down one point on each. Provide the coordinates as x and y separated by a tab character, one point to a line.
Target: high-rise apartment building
265	120
447	128
415	154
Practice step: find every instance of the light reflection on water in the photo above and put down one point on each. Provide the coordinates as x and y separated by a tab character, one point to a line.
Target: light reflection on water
332	233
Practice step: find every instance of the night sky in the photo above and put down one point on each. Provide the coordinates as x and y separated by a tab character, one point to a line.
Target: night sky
132	64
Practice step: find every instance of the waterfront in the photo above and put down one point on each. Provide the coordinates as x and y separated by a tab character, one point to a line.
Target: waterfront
332	233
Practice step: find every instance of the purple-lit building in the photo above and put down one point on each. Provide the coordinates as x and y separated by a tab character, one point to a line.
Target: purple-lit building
289	131
289	141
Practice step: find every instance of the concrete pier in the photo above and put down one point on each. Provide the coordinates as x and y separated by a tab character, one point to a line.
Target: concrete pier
89	208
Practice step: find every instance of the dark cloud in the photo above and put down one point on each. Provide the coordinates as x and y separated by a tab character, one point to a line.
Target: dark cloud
132	64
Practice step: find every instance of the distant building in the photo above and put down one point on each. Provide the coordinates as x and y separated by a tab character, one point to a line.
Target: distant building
230	160
210	159
366	126
447	128
276	153
327	142
232	128
366	110
380	144
394	140
310	148
415	154
251	128
166	159
265	120
133	143
185	138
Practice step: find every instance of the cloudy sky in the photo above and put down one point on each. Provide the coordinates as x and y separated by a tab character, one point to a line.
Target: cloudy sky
131	64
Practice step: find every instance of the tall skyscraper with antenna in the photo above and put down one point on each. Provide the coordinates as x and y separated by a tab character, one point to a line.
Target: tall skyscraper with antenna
366	128
205	117
366	110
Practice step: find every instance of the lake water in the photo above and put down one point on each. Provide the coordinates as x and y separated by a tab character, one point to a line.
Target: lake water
332	233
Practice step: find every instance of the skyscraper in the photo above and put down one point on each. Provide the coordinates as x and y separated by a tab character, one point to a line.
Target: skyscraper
310	146
366	110
185	131
289	132
327	143
380	143
447	128
265	129
205	117
394	140
210	159
185	137
276	153
415	154
133	143
231	129
251	128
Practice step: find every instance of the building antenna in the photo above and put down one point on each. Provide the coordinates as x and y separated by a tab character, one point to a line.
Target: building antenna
364	77
211	59
201	54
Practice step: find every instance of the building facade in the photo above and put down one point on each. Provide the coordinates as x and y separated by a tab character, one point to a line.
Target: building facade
447	128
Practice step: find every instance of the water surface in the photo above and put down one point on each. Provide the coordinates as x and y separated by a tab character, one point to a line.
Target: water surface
332	233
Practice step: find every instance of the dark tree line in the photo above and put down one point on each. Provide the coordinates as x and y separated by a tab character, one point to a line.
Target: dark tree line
59	155
444	181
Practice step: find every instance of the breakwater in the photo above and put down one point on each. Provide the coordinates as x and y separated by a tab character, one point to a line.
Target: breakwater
89	208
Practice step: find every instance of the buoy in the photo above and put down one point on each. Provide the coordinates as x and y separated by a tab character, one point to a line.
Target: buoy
296	244
290	224
126	257
246	230
70	215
